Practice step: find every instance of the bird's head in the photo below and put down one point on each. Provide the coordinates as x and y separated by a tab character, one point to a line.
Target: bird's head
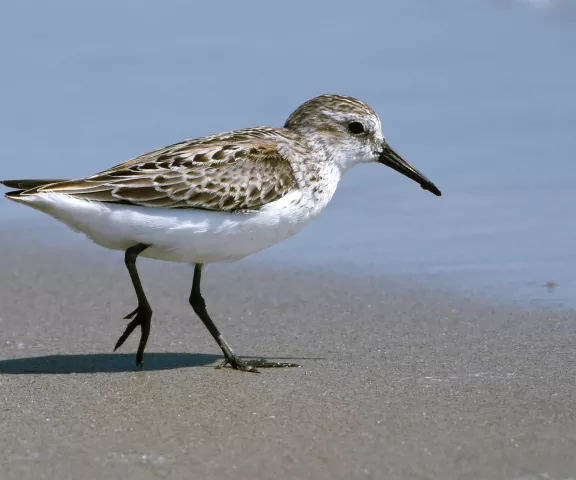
351	133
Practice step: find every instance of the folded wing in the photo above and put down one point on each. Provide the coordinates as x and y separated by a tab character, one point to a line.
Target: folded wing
222	176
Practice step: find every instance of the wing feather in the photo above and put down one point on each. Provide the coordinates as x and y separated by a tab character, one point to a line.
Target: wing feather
237	172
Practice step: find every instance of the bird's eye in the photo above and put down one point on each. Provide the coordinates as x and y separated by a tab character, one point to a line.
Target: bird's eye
356	128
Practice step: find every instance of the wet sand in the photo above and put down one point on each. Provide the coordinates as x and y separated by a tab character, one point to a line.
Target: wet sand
399	379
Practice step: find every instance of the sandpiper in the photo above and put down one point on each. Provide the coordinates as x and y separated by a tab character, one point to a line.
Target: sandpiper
219	198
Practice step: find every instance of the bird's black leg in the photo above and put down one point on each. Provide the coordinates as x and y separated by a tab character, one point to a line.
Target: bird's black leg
199	306
143	313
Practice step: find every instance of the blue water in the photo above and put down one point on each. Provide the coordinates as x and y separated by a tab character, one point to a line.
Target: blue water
479	95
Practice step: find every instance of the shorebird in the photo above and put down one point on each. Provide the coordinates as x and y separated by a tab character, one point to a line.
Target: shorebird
219	198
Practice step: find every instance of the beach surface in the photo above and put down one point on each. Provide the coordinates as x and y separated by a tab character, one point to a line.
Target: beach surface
399	379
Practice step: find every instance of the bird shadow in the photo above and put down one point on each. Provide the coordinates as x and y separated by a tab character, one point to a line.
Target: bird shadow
104	363
112	362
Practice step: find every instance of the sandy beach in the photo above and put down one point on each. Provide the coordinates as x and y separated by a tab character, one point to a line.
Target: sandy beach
398	379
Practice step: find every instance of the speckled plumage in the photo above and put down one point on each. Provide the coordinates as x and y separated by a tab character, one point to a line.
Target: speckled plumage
235	171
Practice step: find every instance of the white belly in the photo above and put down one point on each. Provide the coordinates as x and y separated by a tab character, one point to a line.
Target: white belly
182	235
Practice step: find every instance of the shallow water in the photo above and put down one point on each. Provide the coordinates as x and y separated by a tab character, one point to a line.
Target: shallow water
481	97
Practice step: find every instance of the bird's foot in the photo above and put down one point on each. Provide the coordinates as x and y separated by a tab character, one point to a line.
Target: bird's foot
238	363
139	317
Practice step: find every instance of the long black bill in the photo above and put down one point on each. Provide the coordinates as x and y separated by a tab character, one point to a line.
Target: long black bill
391	159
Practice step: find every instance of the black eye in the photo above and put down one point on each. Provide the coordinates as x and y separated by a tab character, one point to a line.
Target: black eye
356	128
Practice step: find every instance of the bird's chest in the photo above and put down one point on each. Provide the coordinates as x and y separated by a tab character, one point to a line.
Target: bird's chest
292	213
318	185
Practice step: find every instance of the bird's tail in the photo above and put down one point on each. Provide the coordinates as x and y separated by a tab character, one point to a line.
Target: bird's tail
23	185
